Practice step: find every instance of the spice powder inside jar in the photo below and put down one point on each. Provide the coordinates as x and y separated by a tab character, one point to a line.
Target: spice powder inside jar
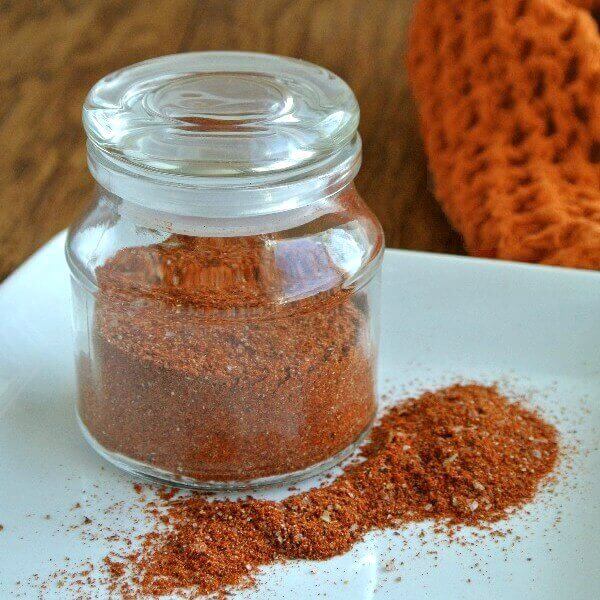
196	371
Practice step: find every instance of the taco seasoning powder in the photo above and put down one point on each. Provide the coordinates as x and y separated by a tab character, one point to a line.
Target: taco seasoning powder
196	372
463	455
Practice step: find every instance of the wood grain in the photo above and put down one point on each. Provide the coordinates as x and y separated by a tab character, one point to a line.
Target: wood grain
53	51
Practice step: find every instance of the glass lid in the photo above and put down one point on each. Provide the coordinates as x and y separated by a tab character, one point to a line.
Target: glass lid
222	114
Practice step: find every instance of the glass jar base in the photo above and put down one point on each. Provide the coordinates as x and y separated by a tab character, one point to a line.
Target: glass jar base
155	475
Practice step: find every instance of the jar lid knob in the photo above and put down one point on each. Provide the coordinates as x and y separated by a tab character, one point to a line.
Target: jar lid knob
221	114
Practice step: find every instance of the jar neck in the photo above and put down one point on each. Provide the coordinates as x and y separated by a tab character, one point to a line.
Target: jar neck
202	226
232	197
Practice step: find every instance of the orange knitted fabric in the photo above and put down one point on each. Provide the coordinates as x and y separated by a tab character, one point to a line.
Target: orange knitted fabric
509	101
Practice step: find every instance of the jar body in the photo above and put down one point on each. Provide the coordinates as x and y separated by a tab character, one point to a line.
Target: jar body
226	355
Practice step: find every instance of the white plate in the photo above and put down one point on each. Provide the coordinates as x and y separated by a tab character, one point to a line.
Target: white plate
444	318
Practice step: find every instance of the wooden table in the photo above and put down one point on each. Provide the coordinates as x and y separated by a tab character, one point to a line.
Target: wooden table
53	51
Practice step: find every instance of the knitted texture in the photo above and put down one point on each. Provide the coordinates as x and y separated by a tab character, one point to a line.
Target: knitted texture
509	102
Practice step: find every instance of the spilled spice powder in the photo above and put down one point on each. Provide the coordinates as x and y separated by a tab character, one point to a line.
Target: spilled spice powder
461	455
202	364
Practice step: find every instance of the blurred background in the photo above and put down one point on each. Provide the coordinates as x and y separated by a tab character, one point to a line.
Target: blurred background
53	51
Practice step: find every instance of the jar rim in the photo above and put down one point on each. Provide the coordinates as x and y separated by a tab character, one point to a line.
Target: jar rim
218	198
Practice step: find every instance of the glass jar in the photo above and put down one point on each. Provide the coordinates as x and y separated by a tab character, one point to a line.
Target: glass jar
226	277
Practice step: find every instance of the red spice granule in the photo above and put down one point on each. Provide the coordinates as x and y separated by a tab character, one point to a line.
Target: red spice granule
461	455
115	569
166	493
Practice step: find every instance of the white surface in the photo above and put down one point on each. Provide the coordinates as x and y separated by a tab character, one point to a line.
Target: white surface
444	318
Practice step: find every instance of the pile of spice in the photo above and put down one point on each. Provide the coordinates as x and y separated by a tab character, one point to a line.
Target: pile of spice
461	455
227	359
